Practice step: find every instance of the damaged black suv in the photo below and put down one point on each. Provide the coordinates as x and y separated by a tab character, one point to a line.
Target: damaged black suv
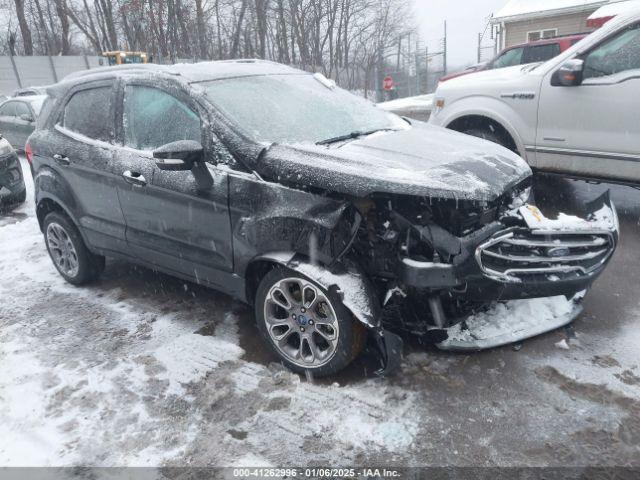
338	221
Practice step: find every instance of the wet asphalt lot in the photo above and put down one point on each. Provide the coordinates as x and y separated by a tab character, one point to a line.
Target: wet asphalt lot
535	404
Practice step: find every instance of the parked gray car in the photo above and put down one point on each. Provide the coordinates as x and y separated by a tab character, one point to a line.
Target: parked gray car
12	187
18	118
335	220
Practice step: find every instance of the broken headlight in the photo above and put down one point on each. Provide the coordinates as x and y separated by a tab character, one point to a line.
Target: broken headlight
519	198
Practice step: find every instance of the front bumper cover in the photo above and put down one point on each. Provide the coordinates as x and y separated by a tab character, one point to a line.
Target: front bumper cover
552	257
11	178
512	322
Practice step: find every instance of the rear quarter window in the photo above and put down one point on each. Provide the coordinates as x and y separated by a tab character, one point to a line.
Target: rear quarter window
89	113
541	53
45	112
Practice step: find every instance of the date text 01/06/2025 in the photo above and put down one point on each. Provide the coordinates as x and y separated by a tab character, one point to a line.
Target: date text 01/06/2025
315	473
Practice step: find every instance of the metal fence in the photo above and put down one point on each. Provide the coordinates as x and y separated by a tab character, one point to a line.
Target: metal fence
35	71
22	72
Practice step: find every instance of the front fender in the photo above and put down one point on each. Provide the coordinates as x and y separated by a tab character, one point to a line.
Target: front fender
519	123
347	279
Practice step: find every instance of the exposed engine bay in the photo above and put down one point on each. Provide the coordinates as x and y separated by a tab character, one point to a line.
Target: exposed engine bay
425	261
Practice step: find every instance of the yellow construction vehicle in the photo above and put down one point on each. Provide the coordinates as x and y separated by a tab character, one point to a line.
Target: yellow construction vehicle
123	58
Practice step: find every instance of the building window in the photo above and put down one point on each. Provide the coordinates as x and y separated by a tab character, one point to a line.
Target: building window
541	34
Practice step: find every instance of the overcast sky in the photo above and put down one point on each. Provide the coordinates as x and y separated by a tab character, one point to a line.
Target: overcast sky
465	19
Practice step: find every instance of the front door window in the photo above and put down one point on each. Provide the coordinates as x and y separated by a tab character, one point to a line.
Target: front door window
153	118
618	54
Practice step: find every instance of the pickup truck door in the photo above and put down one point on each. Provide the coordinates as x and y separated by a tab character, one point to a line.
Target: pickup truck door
593	129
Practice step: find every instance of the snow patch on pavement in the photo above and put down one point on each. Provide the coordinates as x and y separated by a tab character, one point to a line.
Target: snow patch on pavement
189	357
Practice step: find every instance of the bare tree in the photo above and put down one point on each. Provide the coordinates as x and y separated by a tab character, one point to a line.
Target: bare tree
27	42
344	39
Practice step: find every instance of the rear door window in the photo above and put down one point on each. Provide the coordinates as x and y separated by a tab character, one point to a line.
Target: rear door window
89	113
540	53
152	118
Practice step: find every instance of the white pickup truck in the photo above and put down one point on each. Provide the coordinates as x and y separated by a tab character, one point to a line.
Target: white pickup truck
577	114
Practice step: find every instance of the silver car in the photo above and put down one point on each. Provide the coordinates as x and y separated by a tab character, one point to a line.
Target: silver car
18	118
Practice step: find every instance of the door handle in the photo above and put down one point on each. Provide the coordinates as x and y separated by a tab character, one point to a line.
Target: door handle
134	178
61	160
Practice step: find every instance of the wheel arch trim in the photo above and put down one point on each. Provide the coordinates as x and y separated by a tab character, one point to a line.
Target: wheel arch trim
348	281
48	197
492	112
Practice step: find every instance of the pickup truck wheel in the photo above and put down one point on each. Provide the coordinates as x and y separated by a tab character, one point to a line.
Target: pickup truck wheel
486	134
67	250
305	325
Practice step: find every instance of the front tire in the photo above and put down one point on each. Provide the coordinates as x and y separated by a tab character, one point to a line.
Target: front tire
306	326
486	134
67	250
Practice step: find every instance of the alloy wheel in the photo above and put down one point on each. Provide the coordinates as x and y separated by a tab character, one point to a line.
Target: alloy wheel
301	322
63	252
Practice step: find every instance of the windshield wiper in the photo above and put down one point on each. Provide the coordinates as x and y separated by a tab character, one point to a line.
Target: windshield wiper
353	136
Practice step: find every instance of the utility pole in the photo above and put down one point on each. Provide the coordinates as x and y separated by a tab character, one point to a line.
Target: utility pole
379	74
444	57
417	71
426	66
479	46
407	70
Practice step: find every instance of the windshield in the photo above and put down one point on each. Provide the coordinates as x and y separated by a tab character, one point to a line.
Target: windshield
295	108
509	58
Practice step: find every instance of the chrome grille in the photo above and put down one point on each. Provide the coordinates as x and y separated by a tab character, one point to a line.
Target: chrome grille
521	254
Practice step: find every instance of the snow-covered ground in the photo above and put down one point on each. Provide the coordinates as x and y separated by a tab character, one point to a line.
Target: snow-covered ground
143	369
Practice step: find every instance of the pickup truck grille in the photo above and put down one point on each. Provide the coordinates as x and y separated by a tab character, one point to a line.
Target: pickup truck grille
521	254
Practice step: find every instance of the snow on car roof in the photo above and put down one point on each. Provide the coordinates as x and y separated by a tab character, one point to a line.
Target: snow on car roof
516	8
420	102
193	72
607	12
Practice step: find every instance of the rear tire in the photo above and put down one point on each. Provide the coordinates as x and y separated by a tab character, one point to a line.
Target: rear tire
305	325
67	250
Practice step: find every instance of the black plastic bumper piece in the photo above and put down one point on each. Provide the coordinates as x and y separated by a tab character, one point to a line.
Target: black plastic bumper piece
427	274
390	348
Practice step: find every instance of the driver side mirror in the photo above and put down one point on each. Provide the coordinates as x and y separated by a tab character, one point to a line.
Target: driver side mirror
178	156
570	74
27	118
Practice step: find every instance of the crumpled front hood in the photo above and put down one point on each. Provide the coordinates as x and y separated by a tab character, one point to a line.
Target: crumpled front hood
424	160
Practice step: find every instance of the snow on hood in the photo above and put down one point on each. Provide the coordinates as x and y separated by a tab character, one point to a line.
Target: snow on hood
424	161
491	77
